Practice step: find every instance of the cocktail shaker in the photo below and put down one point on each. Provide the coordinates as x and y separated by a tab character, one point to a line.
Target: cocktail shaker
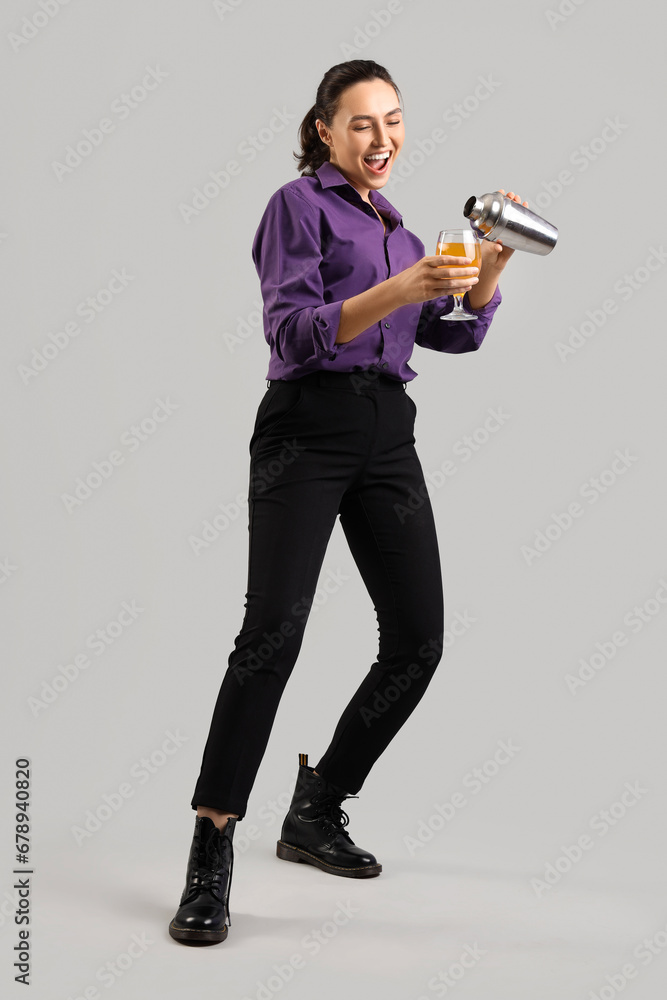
494	216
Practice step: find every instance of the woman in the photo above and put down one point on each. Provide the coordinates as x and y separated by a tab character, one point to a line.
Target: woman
347	292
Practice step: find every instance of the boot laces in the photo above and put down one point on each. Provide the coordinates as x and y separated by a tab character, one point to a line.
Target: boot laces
332	816
206	875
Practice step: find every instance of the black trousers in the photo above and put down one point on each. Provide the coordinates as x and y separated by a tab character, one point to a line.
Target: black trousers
325	445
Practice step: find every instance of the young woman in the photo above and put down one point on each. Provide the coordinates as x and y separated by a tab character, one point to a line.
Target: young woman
347	292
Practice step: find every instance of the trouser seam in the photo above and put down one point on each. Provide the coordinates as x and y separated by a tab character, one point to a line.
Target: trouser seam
334	748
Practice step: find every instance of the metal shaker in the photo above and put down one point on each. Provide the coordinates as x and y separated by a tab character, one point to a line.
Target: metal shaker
495	216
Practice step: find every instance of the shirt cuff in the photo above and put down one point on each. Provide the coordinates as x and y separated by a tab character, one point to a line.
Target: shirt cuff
326	323
487	310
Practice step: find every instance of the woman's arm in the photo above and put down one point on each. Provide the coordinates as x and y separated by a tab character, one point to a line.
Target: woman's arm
458	337
485	289
428	278
369	307
298	324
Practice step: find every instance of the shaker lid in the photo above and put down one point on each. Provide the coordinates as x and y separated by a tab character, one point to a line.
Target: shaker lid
484	213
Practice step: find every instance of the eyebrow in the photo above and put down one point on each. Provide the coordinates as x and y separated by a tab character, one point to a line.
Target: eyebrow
371	118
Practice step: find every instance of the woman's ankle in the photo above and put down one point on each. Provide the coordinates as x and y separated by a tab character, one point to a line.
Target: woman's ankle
219	818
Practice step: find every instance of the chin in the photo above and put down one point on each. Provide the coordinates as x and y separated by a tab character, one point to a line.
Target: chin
381	181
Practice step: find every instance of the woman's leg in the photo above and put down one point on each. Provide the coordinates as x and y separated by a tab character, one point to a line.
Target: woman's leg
389	524
294	497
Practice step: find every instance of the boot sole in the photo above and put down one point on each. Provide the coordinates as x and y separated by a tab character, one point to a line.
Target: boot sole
288	853
197	937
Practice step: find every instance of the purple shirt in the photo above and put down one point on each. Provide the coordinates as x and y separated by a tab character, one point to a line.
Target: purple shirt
319	243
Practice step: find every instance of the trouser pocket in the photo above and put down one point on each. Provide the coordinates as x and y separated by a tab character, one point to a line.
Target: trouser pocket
279	402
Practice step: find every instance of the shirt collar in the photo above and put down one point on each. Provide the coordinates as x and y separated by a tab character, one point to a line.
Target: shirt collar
330	176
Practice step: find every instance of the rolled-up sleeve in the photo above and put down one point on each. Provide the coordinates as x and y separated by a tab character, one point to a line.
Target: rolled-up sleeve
456	337
298	323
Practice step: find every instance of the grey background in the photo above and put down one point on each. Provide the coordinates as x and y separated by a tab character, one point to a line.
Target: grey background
167	336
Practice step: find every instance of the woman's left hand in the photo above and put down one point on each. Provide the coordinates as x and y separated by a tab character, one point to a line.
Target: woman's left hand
494	254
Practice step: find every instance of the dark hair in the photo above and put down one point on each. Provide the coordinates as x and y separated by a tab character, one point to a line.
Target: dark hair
314	152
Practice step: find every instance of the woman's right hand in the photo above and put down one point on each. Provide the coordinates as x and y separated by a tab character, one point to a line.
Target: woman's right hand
434	276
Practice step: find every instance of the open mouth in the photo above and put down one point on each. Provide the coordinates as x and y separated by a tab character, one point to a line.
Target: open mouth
375	165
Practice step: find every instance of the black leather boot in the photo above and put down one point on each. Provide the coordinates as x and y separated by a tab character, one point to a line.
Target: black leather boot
314	829
203	913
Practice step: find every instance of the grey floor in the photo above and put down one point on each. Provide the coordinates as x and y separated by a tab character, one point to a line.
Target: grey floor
460	915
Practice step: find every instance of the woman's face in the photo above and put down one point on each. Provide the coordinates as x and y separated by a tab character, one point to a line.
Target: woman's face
368	121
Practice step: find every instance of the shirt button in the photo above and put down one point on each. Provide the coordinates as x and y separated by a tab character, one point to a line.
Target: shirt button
385	364
387	325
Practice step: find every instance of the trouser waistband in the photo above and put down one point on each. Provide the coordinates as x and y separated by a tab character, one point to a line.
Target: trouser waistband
355	381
